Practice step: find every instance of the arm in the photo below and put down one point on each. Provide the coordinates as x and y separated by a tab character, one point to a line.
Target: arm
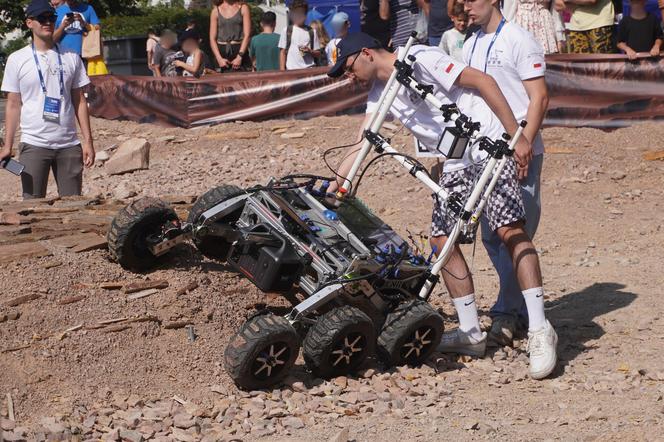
81	109
384	9
539	102
656	48
490	92
425	5
12	116
282	59
60	30
631	53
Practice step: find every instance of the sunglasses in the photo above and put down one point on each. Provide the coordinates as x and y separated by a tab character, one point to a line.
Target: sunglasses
349	69
45	19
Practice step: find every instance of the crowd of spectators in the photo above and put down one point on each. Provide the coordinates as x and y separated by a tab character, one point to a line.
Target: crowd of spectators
573	26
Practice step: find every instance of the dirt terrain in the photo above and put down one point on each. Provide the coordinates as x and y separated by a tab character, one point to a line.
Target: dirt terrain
601	243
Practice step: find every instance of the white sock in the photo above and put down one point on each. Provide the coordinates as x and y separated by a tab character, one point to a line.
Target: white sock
469	322
535	304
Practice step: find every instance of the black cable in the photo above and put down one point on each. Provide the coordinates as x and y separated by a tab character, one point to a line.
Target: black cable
390	154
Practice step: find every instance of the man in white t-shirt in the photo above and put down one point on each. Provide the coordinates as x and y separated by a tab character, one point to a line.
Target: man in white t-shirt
44	90
298	42
362	57
513	57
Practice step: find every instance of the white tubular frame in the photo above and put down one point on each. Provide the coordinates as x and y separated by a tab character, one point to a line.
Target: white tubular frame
481	192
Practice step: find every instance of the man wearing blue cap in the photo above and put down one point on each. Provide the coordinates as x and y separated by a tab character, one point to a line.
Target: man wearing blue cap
477	95
44	91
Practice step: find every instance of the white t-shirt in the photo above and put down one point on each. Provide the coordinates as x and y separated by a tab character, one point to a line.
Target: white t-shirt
515	56
331	51
436	68
299	37
21	77
452	43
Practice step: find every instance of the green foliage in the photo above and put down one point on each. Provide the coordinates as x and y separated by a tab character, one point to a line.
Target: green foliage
162	17
104	8
12	45
12	15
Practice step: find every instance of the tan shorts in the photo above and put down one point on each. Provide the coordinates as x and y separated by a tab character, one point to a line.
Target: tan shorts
66	163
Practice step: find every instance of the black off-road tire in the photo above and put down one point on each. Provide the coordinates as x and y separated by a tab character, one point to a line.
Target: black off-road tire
215	248
258	338
409	323
339	342
127	237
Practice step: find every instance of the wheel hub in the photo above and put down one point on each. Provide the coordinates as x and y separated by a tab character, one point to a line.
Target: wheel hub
271	360
347	350
418	343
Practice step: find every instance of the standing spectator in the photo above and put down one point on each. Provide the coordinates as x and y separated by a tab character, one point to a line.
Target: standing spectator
639	32
340	24
194	65
375	20
230	33
591	26
452	41
298	42
165	56
44	91
74	17
535	17
403	18
439	19
515	60
150	45
264	47
323	40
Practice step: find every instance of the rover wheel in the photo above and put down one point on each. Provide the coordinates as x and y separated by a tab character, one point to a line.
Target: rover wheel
410	334
339	342
131	228
262	352
215	248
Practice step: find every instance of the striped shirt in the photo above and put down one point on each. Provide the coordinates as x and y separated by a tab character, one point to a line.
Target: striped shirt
403	18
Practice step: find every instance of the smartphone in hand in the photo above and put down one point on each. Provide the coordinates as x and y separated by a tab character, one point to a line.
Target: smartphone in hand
12	166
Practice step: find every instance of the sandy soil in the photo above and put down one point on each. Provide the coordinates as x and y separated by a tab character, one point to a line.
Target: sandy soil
600	242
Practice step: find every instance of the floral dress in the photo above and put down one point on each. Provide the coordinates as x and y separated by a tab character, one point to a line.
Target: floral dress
534	16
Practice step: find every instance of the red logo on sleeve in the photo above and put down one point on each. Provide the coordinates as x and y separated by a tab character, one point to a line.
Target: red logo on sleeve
449	68
537	65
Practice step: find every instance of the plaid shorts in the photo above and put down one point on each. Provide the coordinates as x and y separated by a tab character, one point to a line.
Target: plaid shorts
505	204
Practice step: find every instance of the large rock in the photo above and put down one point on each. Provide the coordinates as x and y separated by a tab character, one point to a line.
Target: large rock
133	154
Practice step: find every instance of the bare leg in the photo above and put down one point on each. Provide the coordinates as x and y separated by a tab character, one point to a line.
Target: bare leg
523	253
455	273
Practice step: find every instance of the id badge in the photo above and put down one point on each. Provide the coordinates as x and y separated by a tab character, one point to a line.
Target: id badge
52	110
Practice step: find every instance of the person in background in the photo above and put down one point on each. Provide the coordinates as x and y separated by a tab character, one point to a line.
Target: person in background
264	47
375	20
340	24
165	56
323	40
559	26
639	32
298	42
194	66
403	18
439	19
44	87
534	16
452	41
150	45
591	26
230	34
73	20
56	3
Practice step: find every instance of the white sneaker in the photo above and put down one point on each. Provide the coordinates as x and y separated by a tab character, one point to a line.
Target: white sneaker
542	349
458	341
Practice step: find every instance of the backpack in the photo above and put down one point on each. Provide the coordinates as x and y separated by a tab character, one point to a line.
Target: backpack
289	35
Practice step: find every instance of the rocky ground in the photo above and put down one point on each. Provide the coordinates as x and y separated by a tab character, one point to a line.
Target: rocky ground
600	242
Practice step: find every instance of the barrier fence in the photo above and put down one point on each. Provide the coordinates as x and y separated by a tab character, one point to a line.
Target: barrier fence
584	90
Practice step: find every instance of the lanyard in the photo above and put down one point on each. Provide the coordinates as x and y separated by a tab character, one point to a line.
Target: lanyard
41	76
493	40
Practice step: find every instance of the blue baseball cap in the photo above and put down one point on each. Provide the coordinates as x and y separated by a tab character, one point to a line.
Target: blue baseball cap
349	46
339	20
39	7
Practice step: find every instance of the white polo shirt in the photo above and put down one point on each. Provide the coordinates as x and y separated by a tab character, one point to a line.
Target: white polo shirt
514	57
21	77
435	67
299	37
